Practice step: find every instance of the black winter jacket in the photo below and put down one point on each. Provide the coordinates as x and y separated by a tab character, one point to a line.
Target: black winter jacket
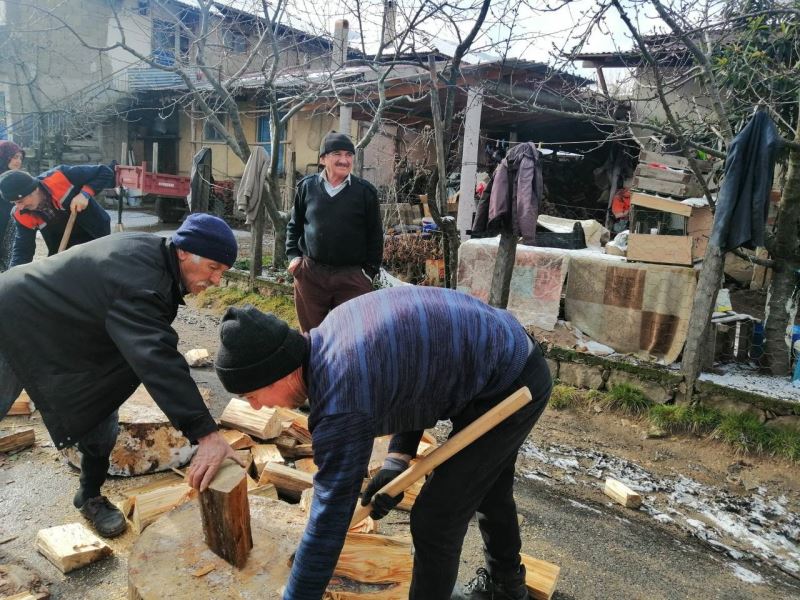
83	328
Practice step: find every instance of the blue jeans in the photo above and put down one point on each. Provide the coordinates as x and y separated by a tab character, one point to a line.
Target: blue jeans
95	445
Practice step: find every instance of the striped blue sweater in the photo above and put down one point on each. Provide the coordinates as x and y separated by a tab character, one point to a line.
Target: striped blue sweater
390	362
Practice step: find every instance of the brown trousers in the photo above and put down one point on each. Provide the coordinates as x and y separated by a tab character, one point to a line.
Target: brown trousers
319	288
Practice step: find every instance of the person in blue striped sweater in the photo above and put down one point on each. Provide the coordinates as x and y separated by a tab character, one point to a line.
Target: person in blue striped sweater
395	362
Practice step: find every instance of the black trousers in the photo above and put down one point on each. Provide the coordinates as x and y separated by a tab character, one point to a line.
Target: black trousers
478	480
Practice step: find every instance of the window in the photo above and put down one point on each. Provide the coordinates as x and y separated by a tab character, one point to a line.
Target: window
235	41
264	138
210	134
169	41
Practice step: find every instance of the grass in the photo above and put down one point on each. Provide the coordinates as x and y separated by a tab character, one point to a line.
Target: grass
742	431
695	419
243	264
627	398
220	298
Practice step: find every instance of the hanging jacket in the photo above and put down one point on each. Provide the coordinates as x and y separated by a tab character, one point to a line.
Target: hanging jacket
743	200
248	197
513	195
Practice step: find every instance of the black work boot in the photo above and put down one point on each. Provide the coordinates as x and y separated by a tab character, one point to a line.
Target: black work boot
106	518
484	587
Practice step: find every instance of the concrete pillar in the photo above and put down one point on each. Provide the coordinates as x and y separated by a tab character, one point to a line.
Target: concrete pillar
338	60
469	160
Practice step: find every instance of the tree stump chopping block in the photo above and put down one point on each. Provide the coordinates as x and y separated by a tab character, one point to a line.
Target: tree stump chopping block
147	442
171	560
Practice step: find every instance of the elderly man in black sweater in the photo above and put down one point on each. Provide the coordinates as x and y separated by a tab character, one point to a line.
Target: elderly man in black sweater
334	239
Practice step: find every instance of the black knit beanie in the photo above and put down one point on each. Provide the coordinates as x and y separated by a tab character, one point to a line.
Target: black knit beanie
17	184
256	349
207	236
336	141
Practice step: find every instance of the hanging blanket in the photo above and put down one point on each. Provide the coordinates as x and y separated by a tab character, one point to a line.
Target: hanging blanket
536	281
632	307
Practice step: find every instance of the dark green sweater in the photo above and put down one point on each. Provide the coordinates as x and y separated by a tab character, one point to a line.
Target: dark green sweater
345	230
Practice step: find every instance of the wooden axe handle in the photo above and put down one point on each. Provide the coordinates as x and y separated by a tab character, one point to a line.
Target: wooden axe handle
458	442
67	231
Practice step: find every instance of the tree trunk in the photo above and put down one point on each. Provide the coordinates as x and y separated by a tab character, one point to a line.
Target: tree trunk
279	244
704	298
256	244
783	289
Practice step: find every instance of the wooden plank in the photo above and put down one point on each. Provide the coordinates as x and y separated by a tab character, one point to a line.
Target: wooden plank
673	160
149	506
17	440
263	454
698	227
306	465
681	190
71	546
643	170
662	204
621	493
661	249
226	515
263	424
290	482
541	577
237	440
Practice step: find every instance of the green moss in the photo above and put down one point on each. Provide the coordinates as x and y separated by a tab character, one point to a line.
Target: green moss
219	299
627	398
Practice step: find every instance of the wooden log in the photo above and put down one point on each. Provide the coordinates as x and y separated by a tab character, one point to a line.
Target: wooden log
237	440
375	558
226	515
290	482
17	440
71	546
621	493
263	454
149	506
147	441
541	577
306	465
263	424
162	561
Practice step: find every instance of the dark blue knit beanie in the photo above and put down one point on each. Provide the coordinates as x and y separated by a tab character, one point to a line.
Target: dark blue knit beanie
207	236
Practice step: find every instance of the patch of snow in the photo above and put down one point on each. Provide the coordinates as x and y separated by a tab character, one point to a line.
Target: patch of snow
585	507
741	378
745	575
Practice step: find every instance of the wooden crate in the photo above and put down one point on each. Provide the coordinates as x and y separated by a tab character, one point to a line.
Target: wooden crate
669	249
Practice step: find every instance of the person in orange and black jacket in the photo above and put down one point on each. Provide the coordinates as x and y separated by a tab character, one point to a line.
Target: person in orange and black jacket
44	203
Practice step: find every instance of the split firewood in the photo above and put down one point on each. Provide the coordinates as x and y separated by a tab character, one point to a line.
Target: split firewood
226	515
22	406
246	457
541	577
368	525
263	454
306	498
410	496
375	558
149	506
264	423
198	357
306	465
290	482
267	490
71	546
237	440
621	493
17	440
129	495
295	424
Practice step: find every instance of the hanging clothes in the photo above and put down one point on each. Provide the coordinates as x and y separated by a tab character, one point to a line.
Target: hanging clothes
200	181
743	200
248	197
511	200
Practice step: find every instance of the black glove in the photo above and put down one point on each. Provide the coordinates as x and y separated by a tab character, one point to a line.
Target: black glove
381	503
